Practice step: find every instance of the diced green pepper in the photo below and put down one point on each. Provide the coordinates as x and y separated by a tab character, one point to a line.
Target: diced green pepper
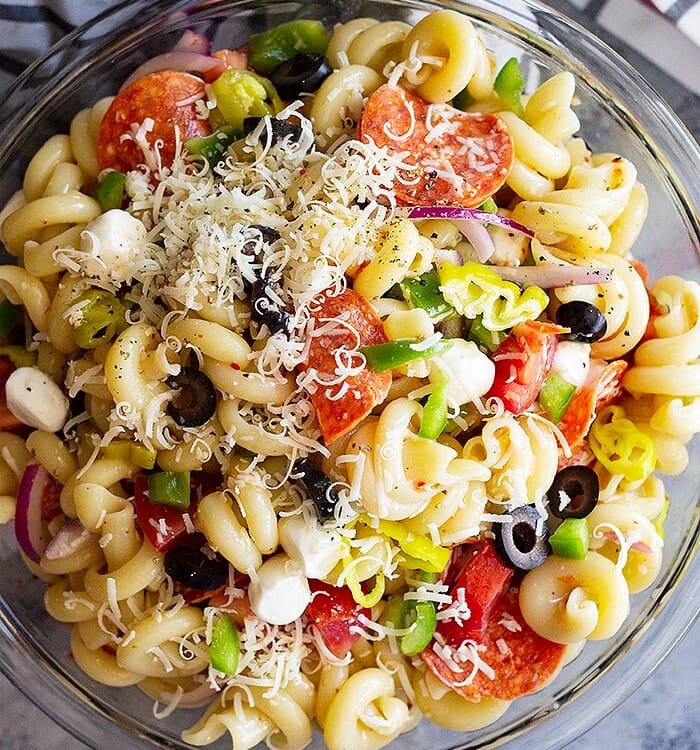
424	292
419	616
382	357
434	419
277	45
102	318
463	100
483	337
110	191
422	628
509	85
213	147
171	488
555	396
571	539
139	454
19	356
225	647
239	94
489	205
9	317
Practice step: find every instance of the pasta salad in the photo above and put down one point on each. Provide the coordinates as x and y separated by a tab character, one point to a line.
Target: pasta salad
333	392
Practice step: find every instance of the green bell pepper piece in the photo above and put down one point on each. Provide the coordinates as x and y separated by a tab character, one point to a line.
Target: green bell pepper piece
239	94
571	539
382	357
213	147
509	85
138	454
489	205
225	647
555	396
110	191
424	292
171	488
277	45
422	630
483	337
434	419
463	100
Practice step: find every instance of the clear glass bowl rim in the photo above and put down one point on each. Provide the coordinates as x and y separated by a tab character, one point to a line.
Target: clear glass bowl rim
675	609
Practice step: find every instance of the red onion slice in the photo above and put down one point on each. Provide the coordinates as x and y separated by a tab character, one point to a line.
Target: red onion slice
192	62
551	276
32	535
478	236
455	213
69	539
193	41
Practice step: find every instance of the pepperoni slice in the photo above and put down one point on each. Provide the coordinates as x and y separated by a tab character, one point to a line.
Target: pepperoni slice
167	97
341	406
602	387
460	158
522	661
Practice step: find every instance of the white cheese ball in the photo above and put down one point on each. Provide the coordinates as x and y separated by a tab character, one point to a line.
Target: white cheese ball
316	549
572	360
36	400
468	370
279	591
113	244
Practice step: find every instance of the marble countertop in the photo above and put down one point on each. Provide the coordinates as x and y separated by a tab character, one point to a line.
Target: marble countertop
664	712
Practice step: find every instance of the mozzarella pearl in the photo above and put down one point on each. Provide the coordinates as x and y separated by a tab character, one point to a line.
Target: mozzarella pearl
36	400
113	244
316	549
279	592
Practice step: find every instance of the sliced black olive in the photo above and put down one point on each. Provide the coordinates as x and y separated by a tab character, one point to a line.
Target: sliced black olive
522	542
574	492
268	234
191	567
586	321
302	74
265	309
280	129
319	486
195	402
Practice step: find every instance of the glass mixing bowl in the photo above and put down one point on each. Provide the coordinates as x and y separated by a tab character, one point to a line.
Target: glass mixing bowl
618	111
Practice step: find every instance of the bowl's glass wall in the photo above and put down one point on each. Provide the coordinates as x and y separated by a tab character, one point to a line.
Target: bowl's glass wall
618	113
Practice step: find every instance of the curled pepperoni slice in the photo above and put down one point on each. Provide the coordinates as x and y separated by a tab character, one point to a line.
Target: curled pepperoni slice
460	158
342	323
169	99
514	660
602	387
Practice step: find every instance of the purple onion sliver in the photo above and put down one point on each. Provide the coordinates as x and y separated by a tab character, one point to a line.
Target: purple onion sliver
457	212
193	41
183	61
478	236
29	527
550	276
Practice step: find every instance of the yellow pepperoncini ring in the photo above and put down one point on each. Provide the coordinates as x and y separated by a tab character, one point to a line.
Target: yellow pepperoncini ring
474	289
353	583
621	446
418	551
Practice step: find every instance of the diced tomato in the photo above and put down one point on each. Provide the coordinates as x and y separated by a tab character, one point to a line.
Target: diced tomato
237	608
169	98
333	612
483	578
602	387
358	325
163	526
459	158
523	360
522	661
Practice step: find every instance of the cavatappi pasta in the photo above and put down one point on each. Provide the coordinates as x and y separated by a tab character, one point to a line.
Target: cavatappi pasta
270	408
